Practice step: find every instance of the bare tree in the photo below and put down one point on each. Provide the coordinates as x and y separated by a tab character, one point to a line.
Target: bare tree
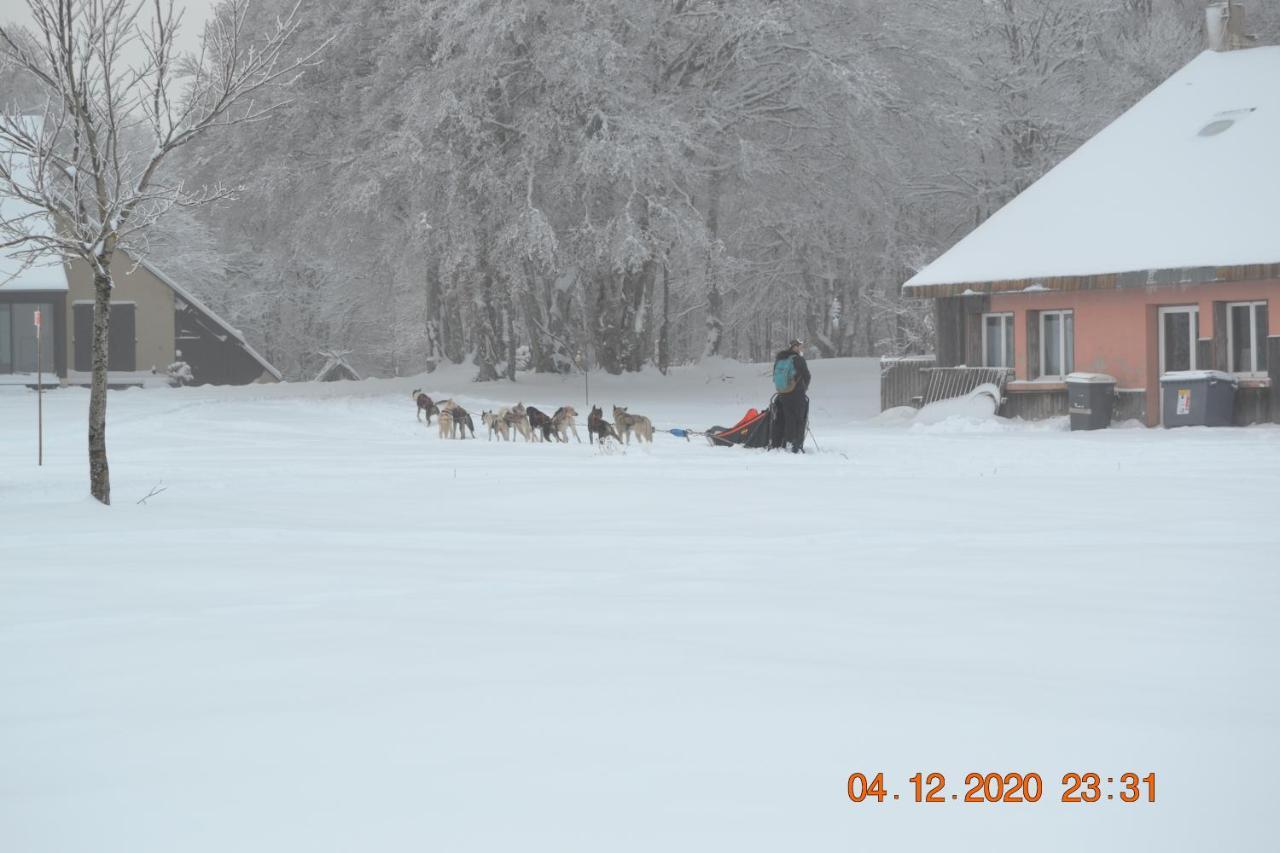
89	165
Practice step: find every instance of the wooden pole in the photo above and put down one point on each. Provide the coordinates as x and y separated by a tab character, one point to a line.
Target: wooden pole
39	391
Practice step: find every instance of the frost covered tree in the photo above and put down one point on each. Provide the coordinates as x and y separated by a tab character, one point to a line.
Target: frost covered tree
514	182
116	101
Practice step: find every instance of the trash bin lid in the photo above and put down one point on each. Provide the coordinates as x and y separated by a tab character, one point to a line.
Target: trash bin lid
1091	378
1196	376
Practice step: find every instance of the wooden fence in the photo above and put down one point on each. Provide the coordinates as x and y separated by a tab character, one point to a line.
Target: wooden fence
903	380
918	381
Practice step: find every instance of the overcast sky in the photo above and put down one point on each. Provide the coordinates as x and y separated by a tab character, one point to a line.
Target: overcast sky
197	11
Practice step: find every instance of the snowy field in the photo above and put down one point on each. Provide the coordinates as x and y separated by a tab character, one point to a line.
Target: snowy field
335	632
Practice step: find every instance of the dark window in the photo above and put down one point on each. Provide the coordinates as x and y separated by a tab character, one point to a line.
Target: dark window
997	340
1247	337
20	349
6	339
82	318
1057	343
1179	350
122	346
1260	337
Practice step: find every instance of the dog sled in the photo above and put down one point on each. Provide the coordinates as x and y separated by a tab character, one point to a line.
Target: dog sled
751	431
756	429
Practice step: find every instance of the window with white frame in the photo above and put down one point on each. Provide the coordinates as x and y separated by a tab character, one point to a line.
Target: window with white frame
1247	337
1057	344
997	340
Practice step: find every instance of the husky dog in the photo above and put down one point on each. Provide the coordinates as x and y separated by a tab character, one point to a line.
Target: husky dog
445	423
518	419
424	405
497	424
598	427
540	423
459	420
628	424
562	421
462	422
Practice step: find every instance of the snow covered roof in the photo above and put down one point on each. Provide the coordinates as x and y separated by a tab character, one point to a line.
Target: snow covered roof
1179	187
15	272
200	308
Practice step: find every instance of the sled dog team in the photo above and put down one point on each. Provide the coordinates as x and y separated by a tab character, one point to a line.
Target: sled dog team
532	424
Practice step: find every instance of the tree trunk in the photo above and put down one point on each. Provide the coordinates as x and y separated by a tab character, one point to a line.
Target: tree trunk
637	315
664	333
537	323
432	312
608	334
509	310
99	472
715	299
715	326
487	343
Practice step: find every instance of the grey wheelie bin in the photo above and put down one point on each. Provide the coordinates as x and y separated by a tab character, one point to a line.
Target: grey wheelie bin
1197	398
1090	400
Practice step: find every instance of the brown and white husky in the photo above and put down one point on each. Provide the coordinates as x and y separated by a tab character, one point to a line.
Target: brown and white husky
496	424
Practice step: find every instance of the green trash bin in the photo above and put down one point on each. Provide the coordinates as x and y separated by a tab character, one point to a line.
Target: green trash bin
1197	398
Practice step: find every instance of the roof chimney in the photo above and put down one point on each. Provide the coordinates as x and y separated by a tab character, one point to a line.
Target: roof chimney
1224	22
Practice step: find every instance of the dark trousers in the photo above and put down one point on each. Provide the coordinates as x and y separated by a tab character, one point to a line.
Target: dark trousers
790	417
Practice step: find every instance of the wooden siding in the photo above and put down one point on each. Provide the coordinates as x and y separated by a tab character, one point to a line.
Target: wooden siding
1035	405
1108	281
1032	338
1252	405
1130	406
1273	368
903	380
1218	356
949	322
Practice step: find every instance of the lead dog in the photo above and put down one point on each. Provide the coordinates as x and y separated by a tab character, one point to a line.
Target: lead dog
598	427
565	419
424	405
627	424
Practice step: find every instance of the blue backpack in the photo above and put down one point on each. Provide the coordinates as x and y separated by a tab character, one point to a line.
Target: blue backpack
784	375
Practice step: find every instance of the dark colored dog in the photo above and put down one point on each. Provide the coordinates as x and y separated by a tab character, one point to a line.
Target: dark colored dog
539	421
462	422
597	426
425	405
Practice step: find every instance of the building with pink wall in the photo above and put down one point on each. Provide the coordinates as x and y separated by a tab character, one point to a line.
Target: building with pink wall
1153	248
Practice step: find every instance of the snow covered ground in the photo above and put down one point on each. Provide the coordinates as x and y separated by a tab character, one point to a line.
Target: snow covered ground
335	632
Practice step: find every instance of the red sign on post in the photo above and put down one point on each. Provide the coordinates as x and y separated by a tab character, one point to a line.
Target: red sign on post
37	319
